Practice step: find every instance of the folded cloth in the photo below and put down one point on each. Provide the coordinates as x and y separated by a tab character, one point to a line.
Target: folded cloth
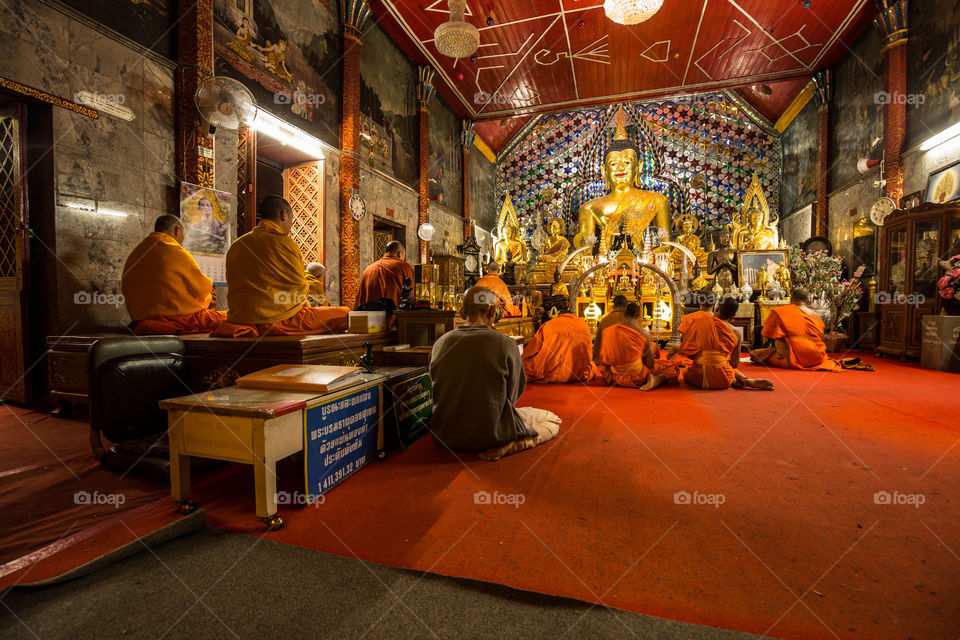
545	423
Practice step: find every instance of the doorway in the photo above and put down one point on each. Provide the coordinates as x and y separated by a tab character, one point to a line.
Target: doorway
384	232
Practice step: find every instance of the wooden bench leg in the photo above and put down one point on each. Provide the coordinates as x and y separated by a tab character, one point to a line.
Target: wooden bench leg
265	487
179	476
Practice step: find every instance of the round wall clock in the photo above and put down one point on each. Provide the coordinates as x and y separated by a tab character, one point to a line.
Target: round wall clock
358	208
881	209
471	264
817	243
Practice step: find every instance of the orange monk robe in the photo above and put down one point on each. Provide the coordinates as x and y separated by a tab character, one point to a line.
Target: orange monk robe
622	356
384	279
499	288
798	341
706	349
614	317
164	289
560	352
267	290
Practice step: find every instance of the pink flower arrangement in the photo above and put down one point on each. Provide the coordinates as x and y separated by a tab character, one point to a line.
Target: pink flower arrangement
949	283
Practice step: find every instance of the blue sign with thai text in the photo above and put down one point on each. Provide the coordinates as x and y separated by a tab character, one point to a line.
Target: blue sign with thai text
341	436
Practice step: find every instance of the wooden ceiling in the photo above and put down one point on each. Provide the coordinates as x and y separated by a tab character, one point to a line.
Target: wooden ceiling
541	56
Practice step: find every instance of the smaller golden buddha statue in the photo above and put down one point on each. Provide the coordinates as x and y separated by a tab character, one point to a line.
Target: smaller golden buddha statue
556	246
688	226
782	276
763	281
508	229
750	228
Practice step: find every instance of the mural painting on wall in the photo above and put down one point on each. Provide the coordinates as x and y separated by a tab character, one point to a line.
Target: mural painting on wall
151	23
483	187
388	99
709	149
933	69
287	54
858	105
445	157
799	185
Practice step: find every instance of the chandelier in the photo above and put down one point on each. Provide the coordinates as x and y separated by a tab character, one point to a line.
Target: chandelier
457	38
631	11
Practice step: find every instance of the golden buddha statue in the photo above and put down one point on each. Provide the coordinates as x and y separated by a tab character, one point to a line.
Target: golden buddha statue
626	206
508	229
688	226
782	275
750	229
556	246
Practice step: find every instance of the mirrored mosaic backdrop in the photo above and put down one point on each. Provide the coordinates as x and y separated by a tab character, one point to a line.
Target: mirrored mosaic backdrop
701	151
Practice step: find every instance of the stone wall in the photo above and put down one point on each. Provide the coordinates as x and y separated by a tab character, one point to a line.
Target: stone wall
126	168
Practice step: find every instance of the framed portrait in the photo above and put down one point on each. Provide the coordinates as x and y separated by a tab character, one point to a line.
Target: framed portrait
205	214
943	185
750	263
912	200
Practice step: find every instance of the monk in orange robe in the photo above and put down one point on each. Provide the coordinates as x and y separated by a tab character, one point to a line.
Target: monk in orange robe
493	282
164	289
266	286
710	350
614	317
797	333
560	351
384	278
630	357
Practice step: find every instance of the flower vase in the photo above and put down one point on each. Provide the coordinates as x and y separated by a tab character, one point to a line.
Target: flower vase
835	341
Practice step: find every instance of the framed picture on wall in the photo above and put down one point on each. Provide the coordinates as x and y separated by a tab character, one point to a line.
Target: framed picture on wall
943	185
912	200
751	262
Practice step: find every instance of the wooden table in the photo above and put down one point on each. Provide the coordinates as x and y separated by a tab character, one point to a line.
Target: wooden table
250	426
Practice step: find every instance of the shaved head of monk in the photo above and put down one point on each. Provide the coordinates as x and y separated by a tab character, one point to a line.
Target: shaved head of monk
727	308
170	225
316	269
492	267
395	249
479	306
278	210
619	302
800	295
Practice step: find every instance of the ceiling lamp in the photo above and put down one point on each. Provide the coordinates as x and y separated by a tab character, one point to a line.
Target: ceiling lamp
457	38
631	11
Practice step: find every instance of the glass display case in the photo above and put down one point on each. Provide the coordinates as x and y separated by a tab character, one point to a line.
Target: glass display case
913	242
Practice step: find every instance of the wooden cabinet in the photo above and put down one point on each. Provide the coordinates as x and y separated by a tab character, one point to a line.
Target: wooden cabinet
912	244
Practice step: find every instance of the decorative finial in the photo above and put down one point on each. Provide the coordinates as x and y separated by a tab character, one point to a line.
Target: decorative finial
621	133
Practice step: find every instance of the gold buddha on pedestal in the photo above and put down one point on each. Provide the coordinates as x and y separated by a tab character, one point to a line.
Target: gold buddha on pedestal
750	228
626	208
556	246
688	226
508	230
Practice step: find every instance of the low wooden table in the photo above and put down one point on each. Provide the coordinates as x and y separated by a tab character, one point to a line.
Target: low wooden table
251	426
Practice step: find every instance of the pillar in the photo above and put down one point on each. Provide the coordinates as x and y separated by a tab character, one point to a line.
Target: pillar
822	93
891	22
354	14
425	91
467	136
194	161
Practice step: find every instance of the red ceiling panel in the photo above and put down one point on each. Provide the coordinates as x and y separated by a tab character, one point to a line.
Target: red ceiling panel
545	55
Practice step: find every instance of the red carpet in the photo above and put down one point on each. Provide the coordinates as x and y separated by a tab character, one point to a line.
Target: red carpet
798	548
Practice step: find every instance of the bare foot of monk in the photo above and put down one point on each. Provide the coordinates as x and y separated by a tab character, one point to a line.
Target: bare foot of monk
492	455
758	383
653	381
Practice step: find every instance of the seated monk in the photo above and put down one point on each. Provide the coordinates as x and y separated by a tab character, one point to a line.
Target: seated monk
613	317
266	287
560	351
164	289
477	380
316	275
710	349
493	282
629	355
726	310
384	278
797	333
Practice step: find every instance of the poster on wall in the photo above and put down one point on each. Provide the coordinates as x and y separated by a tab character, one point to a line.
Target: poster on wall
943	185
205	214
798	226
